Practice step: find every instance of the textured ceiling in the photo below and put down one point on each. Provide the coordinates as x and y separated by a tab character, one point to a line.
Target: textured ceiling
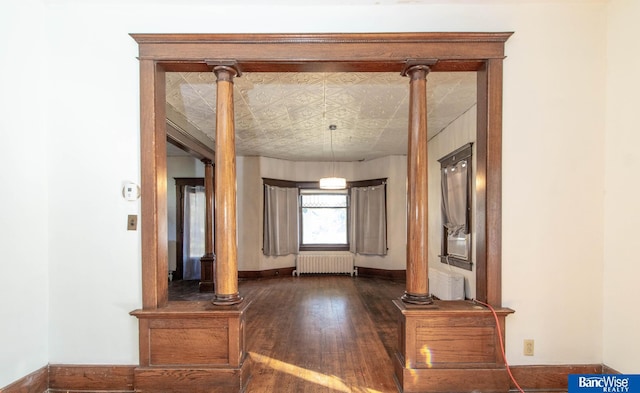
287	115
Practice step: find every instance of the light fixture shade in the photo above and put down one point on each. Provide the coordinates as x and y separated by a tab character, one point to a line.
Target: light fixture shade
333	183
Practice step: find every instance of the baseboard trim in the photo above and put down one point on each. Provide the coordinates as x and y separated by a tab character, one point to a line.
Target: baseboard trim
59	378
255	274
552	378
89	378
36	382
395	275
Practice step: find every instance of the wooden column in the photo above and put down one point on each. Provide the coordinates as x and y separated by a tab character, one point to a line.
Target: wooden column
207	262
226	266
417	291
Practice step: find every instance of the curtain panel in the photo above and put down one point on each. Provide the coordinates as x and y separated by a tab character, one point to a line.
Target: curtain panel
369	220
193	241
454	198
280	234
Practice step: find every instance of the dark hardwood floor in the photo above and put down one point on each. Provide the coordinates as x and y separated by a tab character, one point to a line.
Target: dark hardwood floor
317	333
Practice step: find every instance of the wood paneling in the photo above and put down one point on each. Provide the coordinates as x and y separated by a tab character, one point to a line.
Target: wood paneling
85	378
180	342
191	380
192	334
454	380
443	346
456	345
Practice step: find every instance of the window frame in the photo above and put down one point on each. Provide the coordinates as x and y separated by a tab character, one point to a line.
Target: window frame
464	152
323	246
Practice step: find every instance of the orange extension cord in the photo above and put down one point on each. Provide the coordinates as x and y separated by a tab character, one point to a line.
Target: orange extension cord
504	355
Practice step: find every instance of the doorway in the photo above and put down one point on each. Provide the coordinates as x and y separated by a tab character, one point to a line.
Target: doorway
479	52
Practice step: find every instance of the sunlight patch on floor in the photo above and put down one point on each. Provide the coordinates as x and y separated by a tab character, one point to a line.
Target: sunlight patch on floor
329	381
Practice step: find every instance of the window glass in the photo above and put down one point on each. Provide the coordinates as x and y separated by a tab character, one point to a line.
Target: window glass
324	219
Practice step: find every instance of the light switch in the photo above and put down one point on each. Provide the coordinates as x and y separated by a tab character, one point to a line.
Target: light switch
132	222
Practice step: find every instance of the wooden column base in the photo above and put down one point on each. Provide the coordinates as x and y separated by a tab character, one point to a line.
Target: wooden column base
207	266
192	347
450	346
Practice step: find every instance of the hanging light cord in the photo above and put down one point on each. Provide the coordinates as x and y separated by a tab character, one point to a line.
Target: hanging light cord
333	154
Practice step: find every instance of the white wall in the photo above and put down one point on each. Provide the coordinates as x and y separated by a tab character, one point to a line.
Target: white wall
24	290
251	170
621	208
553	173
457	134
553	168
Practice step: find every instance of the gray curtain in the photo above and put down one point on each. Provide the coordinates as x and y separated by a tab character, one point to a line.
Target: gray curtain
193	237
369	220
280	234
454	198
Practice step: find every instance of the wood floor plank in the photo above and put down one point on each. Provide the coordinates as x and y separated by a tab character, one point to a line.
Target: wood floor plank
317	334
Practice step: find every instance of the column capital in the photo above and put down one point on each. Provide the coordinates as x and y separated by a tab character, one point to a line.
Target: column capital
413	65
225	69
206	161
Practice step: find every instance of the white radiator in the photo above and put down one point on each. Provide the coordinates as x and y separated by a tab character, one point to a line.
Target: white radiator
324	263
446	285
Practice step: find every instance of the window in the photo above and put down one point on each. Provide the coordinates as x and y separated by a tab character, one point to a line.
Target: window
324	220
456	175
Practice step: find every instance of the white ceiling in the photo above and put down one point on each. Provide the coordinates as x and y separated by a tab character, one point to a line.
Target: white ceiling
287	115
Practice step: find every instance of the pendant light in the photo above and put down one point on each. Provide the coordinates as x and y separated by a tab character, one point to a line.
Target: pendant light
333	182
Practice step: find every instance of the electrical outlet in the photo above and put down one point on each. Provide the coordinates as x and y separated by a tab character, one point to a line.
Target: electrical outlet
528	348
132	222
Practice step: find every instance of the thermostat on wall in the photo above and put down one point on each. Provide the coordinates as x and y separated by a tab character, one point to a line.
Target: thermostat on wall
131	191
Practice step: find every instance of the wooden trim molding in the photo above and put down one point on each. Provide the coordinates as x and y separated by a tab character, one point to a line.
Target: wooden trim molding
552	378
257	274
86	378
395	275
374	52
371	52
36	382
59	378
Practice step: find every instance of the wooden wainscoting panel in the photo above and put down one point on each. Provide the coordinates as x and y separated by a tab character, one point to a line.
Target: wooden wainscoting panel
443	346
36	382
87	378
450	346
192	380
189	341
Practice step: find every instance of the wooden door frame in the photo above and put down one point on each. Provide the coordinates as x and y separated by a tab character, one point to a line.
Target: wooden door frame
180	183
371	52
